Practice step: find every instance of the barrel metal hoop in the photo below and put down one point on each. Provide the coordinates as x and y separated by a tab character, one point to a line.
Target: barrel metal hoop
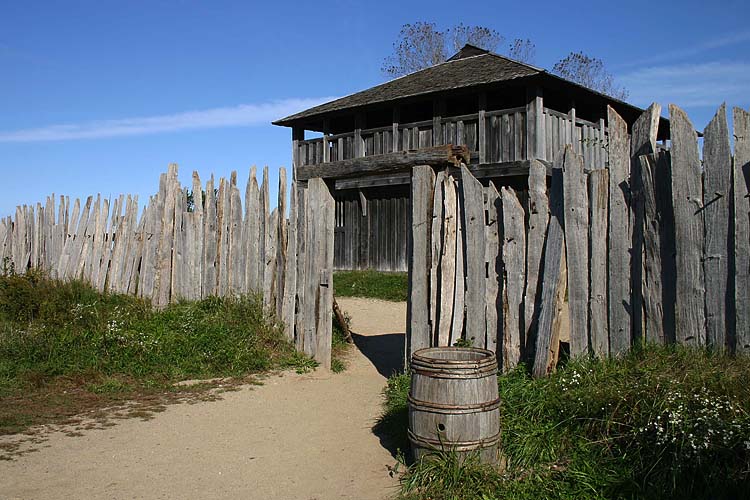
438	444
453	409
457	374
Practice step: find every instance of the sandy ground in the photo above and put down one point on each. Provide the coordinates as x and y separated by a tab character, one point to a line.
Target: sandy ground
298	436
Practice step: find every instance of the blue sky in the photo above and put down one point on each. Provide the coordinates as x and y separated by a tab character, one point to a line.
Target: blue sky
99	96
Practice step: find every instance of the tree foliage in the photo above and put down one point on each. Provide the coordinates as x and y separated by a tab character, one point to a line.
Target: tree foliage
421	45
589	72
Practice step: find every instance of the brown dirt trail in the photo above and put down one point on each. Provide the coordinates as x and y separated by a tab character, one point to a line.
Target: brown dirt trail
298	436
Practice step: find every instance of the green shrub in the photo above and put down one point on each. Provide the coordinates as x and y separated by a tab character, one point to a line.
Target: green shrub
52	328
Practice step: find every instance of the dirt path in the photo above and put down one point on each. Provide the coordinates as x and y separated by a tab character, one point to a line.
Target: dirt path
298	436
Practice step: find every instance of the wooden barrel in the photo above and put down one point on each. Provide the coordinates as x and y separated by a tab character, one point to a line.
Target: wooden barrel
454	402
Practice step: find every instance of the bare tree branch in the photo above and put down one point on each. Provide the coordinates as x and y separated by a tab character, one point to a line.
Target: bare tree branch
419	46
479	36
589	72
522	50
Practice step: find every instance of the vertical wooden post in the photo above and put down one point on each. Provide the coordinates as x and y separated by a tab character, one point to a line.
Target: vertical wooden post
298	134
535	124
514	257
472	214
642	142
687	200
438	109
494	266
281	244
359	124
447	271
290	270
601	155
318	276
572	130
418	329
576	221
396	119
551	277
537	232
326	147
620	300
717	174
598	201
482	127
741	175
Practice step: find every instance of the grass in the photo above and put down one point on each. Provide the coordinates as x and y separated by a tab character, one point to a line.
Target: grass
661	423
371	284
66	349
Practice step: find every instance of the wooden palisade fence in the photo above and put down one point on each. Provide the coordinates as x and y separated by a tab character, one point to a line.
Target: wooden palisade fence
650	246
182	247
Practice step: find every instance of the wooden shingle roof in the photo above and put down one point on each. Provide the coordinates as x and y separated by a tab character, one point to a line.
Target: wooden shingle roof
470	67
458	72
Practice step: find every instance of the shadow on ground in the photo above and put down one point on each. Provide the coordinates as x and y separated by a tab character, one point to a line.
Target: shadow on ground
385	352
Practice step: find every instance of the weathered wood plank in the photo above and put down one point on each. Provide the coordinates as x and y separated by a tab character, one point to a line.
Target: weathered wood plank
619	299
662	176
494	265
652	279
472	212
264	259
72	272
436	251
741	175
447	262
537	231
166	240
237	256
210	232
717	175
290	268
687	200
558	323
223	224
390	162
87	254
120	245
100	237
300	317
553	255
251	228
281	243
576	225
271	251
642	142
136	259
196	236
68	237
599	205
130	255
420	259
459	298
178	277
318	299
514	262
325	302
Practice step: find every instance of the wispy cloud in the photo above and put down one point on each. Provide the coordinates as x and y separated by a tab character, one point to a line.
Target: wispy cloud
690	85
687	52
233	116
